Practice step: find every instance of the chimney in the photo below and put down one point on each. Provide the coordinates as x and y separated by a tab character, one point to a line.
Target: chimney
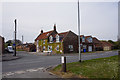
54	27
41	31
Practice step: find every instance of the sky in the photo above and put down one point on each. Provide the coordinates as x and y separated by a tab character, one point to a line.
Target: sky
98	19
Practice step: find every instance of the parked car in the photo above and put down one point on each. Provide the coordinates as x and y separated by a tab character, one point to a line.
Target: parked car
10	49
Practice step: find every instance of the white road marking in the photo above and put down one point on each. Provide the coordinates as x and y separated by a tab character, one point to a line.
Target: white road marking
10	73
21	72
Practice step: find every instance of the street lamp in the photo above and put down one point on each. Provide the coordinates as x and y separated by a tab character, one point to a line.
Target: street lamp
15	37
79	33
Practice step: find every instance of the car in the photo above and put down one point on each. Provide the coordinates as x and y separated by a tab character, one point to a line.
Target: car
10	49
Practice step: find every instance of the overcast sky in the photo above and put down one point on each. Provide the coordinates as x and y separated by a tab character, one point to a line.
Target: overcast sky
99	19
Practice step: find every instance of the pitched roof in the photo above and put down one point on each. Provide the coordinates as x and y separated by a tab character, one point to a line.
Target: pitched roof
95	40
105	43
44	35
63	33
87	36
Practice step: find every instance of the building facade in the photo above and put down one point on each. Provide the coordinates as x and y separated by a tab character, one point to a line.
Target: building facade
55	42
86	43
1	45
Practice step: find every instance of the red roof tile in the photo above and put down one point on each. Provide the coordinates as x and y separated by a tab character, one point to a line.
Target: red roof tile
44	35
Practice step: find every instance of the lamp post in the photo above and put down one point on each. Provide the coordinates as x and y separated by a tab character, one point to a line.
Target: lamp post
79	33
15	37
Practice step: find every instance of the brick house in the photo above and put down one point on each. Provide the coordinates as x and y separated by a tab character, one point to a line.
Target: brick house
55	42
97	44
29	47
106	45
2	47
87	44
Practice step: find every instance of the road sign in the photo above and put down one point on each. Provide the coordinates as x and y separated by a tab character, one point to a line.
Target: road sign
14	44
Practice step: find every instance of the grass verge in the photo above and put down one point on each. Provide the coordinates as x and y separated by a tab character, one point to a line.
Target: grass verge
95	68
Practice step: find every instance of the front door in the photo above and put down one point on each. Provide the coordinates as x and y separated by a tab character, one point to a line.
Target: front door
90	49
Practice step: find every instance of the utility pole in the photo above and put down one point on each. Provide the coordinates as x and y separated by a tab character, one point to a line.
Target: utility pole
79	33
15	37
22	39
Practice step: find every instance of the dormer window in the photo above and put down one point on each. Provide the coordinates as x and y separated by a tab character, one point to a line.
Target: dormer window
83	39
47	34
89	40
57	38
51	39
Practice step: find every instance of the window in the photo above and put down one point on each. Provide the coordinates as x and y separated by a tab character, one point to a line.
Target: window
83	39
57	38
89	39
70	47
43	48
47	34
84	46
43	41
49	48
57	48
51	39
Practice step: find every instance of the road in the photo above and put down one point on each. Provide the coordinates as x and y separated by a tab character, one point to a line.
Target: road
30	61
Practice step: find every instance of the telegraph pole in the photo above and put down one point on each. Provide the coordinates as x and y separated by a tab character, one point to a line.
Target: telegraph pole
79	33
22	39
15	37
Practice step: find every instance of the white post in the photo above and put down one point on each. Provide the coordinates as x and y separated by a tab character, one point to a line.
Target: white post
79	33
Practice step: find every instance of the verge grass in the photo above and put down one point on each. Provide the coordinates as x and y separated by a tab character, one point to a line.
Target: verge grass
95	68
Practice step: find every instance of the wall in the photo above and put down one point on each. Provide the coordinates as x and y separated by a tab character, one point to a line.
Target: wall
70	39
54	45
1	45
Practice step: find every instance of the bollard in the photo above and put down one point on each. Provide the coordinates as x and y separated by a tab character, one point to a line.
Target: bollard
63	60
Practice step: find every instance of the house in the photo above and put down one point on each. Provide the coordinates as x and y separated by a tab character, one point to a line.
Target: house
52	41
86	43
2	47
29	47
97	44
106	45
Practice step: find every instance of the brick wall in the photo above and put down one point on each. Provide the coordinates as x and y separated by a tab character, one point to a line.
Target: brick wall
1	45
70	39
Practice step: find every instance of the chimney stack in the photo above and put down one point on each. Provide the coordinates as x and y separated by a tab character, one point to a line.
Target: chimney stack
41	31
54	27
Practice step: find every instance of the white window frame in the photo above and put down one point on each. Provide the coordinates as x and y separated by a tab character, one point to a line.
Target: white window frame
43	41
90	40
83	39
84	47
57	48
43	48
57	38
70	47
51	39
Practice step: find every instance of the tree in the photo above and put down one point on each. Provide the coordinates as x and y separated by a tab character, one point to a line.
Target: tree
111	41
11	42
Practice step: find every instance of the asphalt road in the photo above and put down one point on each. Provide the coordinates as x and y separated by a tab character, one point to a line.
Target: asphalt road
29	61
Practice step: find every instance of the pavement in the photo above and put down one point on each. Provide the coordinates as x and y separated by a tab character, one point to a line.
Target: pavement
66	54
9	57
